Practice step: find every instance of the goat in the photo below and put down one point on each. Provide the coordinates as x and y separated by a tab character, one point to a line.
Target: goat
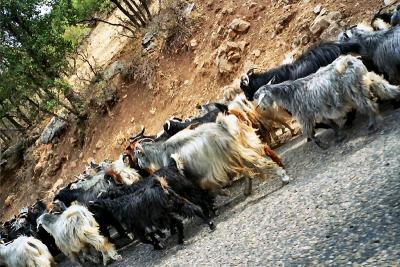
25	252
212	154
380	47
76	231
177	181
262	120
329	94
309	62
34	212
67	196
383	21
395	19
174	126
148	210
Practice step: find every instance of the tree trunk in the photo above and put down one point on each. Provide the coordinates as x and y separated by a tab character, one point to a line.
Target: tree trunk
126	13
43	109
138	8
13	122
23	117
142	20
144	3
112	24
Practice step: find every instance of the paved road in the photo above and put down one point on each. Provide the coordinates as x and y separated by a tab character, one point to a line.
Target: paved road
342	208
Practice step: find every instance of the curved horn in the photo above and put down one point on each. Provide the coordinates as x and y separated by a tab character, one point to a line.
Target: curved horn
138	136
250	71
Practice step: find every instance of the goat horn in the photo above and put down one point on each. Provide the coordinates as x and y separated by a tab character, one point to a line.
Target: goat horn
136	137
250	71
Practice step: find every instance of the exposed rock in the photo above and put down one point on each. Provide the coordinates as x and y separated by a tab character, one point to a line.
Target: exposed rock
326	24
80	155
257	52
38	169
228	54
73	164
99	144
193	43
73	141
239	25
317	9
115	68
55	127
9	200
319	25
153	111
57	185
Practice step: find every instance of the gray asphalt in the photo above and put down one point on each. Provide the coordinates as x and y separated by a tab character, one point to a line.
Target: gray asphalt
341	208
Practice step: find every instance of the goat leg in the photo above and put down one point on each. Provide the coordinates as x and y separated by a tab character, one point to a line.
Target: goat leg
177	224
249	186
350	117
270	153
339	137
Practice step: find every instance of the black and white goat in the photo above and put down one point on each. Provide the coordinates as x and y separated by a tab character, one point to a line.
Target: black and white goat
385	20
381	48
148	209
309	62
25	252
212	154
329	94
76	234
173	126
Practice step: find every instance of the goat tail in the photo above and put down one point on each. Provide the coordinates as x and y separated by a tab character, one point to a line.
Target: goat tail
380	88
184	207
117	178
272	154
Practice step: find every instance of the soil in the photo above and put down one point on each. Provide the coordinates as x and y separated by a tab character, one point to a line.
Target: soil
178	83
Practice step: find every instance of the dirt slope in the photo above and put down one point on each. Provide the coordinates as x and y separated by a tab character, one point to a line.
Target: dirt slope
179	84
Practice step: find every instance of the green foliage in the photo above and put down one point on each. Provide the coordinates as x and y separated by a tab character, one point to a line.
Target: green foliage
75	34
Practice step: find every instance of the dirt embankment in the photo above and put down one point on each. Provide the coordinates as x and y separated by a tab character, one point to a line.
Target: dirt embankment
182	79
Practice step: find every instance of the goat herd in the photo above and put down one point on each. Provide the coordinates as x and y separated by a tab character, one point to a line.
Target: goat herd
159	180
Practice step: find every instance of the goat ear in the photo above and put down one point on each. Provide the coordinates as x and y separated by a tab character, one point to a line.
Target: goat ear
245	80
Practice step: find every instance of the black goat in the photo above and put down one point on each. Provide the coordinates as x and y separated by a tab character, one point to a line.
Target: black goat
150	209
173	126
34	212
309	62
177	182
68	195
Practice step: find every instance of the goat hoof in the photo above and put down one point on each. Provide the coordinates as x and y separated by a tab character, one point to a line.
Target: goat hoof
159	247
372	129
340	139
285	180
212	226
322	145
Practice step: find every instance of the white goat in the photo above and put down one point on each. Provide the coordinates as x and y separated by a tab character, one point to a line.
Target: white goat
25	252
75	231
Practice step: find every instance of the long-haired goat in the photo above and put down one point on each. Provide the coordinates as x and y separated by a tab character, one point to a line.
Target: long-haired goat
329	94
76	231
177	182
212	154
379	47
384	20
150	209
309	62
264	121
25	252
